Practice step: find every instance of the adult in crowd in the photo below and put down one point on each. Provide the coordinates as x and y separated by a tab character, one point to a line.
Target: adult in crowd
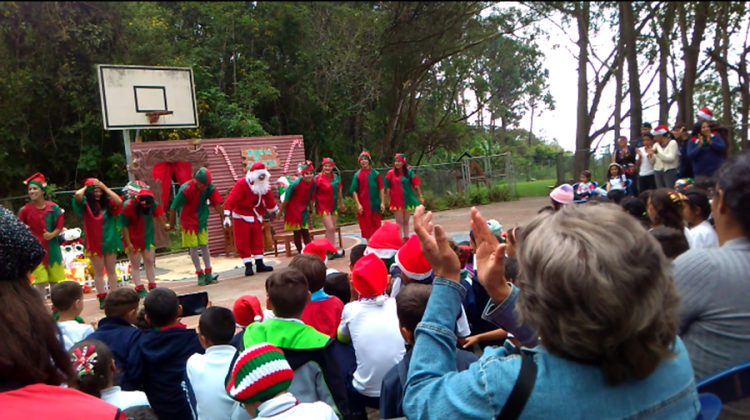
705	150
666	154
714	284
705	114
645	164
33	364
604	311
625	156
645	129
681	135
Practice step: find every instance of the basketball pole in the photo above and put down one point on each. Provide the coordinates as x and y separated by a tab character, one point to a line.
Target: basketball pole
128	156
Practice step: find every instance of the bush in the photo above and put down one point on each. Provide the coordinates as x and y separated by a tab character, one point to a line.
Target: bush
478	196
455	200
499	193
433	203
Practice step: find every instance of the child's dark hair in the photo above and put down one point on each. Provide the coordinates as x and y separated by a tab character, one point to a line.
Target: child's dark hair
140	320
93	367
513	234
91	202
411	303
673	242
357	252
705	183
645	195
511	269
217	325
636	208
337	284
288	292
142	412
586	174
698	199
616	196
598	199
313	268
120	302
65	294
619	170
545	208
667	207
162	306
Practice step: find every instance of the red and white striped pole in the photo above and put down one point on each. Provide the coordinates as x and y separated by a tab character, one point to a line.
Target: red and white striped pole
218	148
295	143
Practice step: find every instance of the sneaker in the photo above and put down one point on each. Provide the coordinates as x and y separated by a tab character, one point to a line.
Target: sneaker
142	292
101	297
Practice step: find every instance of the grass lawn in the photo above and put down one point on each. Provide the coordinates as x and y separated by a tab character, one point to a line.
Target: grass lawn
534	188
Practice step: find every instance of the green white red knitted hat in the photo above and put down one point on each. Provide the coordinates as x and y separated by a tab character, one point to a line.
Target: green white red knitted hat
365	155
328	161
38	180
400	157
305	167
259	373
134	187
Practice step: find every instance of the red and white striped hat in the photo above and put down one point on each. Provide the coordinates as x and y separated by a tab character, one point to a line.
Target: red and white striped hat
705	114
660	130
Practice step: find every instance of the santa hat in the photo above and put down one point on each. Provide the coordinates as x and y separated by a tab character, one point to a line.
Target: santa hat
247	310
145	198
20	251
385	242
705	114
563	194
203	176
411	260
256	171
38	180
258	374
401	158
319	247
370	278
90	183
365	155
305	167
328	161
660	130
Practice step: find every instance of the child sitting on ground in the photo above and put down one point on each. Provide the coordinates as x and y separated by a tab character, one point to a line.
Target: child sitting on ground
672	241
117	332
339	285
157	364
310	353
410	306
371	324
664	209
617	179
205	373
585	186
264	392
246	310
616	196
636	208
94	365
385	243
323	312
67	302
695	212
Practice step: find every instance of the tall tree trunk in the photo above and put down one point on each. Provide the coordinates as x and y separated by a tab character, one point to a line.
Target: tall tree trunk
618	95
667	24
627	32
583	123
745	92
691	52
721	46
531	126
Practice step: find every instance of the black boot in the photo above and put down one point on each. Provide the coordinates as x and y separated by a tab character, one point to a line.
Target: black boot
262	268
249	269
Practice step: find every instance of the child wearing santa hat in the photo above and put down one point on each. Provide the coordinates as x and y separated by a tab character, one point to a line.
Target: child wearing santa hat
367	190
385	243
323	312
371	324
246	310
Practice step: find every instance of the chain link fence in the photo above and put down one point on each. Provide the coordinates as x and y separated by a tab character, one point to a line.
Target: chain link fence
438	179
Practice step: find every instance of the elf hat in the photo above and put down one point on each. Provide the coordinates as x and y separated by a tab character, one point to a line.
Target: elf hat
90	183
365	155
705	114
385	242
258	374
411	260
20	251
305	167
319	247
660	130
134	187
247	310
563	194
38	180
145	198
401	158
370	278
203	176
328	161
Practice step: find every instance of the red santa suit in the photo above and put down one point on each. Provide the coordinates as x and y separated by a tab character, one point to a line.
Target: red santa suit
245	207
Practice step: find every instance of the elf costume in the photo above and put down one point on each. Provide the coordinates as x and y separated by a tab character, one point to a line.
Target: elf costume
297	198
192	205
140	222
326	194
367	184
402	184
101	236
48	218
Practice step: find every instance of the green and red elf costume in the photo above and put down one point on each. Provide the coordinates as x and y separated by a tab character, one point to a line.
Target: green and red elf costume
101	236
327	189
297	198
40	220
137	218
368	185
402	184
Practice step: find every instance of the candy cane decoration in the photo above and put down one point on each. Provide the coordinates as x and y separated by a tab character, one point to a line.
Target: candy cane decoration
295	143
219	148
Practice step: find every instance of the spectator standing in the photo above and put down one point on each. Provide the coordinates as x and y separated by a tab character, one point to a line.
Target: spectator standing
715	284
625	156
666	155
680	133
705	150
645	164
645	129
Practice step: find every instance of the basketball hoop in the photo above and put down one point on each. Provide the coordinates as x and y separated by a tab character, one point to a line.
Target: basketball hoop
153	117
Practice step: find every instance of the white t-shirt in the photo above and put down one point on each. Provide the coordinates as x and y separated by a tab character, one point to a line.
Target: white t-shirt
286	407
703	236
617	183
646	167
74	332
124	399
377	341
206	373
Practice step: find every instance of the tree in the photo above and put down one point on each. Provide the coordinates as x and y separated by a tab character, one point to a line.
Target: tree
691	53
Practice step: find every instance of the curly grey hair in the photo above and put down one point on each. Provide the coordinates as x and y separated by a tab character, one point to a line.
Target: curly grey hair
598	290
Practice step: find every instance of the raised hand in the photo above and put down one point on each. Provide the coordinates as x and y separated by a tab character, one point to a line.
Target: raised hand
443	260
490	259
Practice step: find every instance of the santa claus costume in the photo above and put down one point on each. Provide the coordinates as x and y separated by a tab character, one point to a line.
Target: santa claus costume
296	205
99	206
367	190
137	227
400	185
192	202
245	207
328	201
44	218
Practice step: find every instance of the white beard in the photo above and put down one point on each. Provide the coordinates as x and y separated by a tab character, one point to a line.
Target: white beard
256	185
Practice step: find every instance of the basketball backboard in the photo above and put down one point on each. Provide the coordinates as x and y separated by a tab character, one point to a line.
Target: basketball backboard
139	97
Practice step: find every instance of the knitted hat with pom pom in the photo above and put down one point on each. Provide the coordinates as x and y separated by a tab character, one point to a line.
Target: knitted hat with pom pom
259	373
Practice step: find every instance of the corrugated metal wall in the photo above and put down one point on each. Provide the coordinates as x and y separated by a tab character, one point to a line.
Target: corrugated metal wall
222	177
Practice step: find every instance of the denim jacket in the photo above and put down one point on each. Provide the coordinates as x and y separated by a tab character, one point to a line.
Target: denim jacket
564	389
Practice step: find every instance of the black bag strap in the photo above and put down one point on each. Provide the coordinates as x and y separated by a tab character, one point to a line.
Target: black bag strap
521	391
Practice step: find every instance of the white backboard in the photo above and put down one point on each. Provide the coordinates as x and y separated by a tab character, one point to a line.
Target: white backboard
128	93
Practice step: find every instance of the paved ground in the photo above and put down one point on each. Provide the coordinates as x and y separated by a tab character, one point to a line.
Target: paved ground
233	283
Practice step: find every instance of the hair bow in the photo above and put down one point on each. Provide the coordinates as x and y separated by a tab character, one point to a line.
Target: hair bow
676	197
84	361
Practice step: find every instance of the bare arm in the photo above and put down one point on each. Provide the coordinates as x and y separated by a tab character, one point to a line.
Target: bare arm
359	205
281	210
419	192
342	208
161	222
79	195
116	200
